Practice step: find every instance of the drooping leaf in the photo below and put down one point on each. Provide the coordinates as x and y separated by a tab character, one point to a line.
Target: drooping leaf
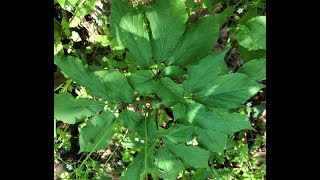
179	133
142	81
202	74
104	84
212	140
190	155
97	133
135	170
253	34
228	91
196	42
168	166
132	121
167	22
174	72
255	69
170	92
128	26
71	110
216	119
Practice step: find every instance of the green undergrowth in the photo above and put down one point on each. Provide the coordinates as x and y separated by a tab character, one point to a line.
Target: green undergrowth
161	89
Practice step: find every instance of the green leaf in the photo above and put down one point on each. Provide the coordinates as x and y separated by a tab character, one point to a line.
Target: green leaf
85	8
168	166
132	121
202	74
174	72
56	31
208	3
64	3
167	22
212	140
97	133
179	133
169	92
65	27
101	39
190	155
104	84
117	86
135	170
192	6
251	13
55	127
128	26
196	42
152	130
71	110
135	122
247	55
142	81
228	91
202	174
216	119
253	34
74	22
223	16
255	69
179	111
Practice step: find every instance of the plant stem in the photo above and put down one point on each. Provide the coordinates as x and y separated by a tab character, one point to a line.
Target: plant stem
69	81
145	133
156	117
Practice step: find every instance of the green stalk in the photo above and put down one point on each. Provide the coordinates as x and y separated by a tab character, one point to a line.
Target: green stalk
69	81
145	132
